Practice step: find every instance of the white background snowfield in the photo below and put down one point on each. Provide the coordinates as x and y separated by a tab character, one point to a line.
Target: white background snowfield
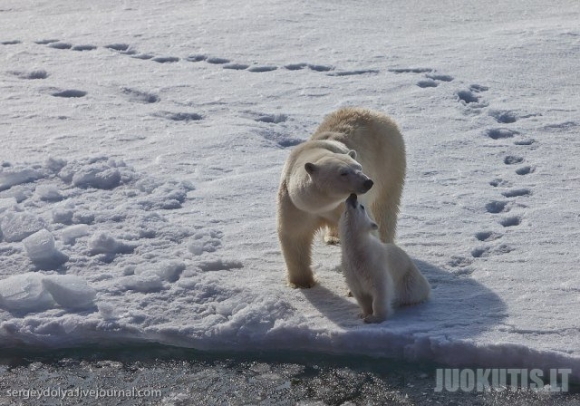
142	144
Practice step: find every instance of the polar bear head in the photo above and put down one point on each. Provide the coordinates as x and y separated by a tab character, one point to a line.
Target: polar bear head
356	218
339	175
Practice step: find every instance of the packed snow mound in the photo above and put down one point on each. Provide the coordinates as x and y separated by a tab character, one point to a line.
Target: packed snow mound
10	177
42	251
17	226
34	292
70	291
75	216
25	292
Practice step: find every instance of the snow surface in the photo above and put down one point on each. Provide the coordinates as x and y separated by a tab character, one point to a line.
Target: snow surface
142	143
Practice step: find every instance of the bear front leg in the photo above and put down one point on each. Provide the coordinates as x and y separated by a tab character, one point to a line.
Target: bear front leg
379	314
382	307
296	231
297	251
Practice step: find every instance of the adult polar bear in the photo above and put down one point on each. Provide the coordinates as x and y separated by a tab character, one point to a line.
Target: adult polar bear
350	151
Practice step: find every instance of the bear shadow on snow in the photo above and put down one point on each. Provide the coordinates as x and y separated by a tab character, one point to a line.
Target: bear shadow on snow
457	302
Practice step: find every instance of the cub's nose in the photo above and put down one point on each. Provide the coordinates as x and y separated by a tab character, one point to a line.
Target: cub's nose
351	200
368	184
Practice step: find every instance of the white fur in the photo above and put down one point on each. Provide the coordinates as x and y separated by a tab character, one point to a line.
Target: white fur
311	196
379	275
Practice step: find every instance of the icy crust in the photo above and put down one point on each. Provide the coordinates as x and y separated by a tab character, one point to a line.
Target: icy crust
73	232
34	292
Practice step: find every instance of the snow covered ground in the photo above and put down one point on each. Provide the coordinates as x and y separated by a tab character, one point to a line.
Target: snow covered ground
142	142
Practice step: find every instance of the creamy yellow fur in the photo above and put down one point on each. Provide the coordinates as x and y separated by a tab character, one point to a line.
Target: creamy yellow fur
310	201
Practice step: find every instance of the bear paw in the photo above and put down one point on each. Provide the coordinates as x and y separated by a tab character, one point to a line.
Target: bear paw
331	236
331	239
374	319
302	284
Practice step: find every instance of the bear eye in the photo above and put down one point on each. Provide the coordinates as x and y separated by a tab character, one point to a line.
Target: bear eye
343	173
362	207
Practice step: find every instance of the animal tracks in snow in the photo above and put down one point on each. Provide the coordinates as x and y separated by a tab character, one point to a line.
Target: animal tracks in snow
223	62
30	75
504	210
508	188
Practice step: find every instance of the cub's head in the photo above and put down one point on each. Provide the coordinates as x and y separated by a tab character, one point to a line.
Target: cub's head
356	217
339	175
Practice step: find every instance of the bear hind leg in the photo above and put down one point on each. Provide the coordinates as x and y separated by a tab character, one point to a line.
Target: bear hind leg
413	288
331	235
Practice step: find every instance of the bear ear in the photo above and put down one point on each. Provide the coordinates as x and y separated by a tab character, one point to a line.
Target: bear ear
352	153
374	226
309	167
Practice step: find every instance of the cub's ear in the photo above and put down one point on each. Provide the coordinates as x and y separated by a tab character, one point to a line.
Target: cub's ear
374	226
352	153
310	167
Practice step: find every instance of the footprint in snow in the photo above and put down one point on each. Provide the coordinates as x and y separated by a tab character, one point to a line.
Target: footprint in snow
139	96
143	57
500	133
165	59
354	72
60	45
205	241
263	68
217	61
433	80
295	66
46	41
526	141
196	58
411	70
184	117
511	221
524	170
122	47
70	93
236	66
517	192
427	83
320	68
31	75
478	88
84	47
486	236
497	206
11	42
503	116
481	252
499	182
513	159
467	96
220	265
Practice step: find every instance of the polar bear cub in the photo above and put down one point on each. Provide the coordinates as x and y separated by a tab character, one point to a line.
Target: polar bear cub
379	275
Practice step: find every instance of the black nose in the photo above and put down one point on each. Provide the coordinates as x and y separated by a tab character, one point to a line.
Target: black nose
368	184
351	200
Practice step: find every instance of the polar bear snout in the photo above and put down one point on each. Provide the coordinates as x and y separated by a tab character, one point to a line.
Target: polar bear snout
368	184
365	185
